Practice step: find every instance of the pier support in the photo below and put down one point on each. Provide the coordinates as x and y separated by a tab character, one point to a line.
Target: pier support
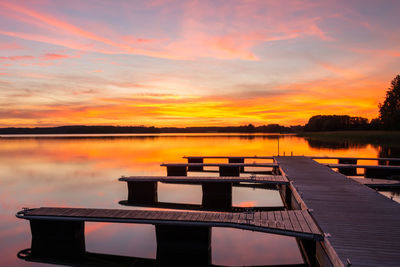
380	173
276	171
348	171
142	192
286	195
178	245
65	239
217	195
226	170
177	170
195	168
237	160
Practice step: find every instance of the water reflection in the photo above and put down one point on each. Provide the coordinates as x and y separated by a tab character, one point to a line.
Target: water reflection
83	172
389	152
337	144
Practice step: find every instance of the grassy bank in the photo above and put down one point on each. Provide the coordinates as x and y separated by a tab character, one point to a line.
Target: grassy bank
391	138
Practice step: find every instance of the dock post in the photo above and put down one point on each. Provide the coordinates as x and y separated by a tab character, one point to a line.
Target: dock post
177	170
178	245
348	171
142	192
286	195
276	170
237	160
226	170
195	168
217	195
309	248
50	239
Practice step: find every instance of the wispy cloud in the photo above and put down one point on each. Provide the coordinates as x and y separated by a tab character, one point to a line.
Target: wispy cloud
170	62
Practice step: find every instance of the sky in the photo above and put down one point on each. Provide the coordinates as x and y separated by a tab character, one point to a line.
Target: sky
194	63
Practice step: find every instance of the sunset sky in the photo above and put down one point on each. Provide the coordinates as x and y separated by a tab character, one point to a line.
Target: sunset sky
194	63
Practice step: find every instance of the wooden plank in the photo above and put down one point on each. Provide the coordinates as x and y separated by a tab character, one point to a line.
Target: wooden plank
303	224
228	157
385	167
219	164
265	179
295	222
311	223
279	220
286	221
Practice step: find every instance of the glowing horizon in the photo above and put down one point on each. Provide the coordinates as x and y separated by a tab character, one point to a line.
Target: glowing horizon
194	63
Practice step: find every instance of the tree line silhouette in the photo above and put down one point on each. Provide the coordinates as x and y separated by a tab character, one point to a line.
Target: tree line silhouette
82	129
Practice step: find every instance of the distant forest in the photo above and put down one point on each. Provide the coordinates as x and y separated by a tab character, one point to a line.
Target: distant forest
80	129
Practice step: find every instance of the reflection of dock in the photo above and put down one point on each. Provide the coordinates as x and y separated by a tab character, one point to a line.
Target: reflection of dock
107	260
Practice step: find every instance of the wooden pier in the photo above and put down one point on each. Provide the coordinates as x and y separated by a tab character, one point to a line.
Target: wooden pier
337	221
294	223
261	179
217	191
361	225
182	237
378	183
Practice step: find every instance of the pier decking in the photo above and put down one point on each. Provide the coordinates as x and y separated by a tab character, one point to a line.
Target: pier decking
361	224
291	223
378	183
262	179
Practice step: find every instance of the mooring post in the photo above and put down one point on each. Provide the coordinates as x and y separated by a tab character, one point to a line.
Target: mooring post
217	195
64	239
237	160
142	192
195	168
348	171
178	245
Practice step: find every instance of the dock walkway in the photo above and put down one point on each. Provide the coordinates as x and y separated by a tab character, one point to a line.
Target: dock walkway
362	226
262	179
291	223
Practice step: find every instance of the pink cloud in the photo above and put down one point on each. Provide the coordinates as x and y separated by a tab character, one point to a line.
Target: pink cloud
51	56
208	29
14	58
10	46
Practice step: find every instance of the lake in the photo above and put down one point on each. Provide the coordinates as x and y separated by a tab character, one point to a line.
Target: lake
83	171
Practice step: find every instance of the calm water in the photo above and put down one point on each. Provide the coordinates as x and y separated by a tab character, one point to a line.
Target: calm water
79	171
